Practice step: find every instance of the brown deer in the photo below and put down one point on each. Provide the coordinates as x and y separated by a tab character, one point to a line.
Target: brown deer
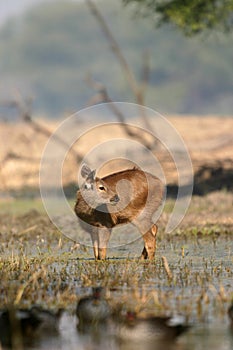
128	196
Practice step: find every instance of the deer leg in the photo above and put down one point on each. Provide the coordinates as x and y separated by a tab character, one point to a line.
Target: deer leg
148	232
149	243
95	242
104	235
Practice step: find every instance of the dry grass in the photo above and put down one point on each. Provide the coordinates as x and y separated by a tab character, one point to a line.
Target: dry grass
39	265
208	139
193	269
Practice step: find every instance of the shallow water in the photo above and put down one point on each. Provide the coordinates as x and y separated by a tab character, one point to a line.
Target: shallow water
202	269
199	337
201	289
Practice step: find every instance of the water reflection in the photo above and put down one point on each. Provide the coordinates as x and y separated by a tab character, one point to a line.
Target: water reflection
20	328
93	311
230	314
110	335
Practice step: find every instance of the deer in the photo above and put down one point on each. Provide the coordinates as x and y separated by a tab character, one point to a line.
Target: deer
128	196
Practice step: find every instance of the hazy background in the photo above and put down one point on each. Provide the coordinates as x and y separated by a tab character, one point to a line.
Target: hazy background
47	49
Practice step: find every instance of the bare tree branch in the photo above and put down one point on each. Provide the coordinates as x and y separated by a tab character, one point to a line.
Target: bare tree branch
24	107
137	90
103	96
114	46
145	73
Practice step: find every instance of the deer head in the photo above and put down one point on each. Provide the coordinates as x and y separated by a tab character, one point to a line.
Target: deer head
95	191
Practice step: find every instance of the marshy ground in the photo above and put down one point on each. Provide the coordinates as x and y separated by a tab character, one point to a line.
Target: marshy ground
39	265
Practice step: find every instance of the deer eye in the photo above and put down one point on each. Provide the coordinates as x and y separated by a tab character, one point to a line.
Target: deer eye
101	188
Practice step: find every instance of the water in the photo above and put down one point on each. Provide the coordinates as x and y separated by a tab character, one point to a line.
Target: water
199	337
200	288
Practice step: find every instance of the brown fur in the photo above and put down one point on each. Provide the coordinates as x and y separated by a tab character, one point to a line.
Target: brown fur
133	200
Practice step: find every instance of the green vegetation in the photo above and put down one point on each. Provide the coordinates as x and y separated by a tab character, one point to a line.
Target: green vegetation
49	51
21	205
191	16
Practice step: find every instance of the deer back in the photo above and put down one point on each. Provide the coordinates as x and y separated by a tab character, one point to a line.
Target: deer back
117	198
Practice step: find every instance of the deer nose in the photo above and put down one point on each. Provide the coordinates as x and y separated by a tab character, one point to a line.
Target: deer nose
115	199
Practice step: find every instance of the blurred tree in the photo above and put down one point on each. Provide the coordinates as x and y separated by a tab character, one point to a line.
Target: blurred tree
48	52
191	16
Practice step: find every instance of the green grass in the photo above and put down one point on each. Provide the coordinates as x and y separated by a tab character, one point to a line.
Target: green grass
21	206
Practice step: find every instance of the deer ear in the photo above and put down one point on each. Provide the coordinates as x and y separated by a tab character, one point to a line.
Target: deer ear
91	176
85	171
89	183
